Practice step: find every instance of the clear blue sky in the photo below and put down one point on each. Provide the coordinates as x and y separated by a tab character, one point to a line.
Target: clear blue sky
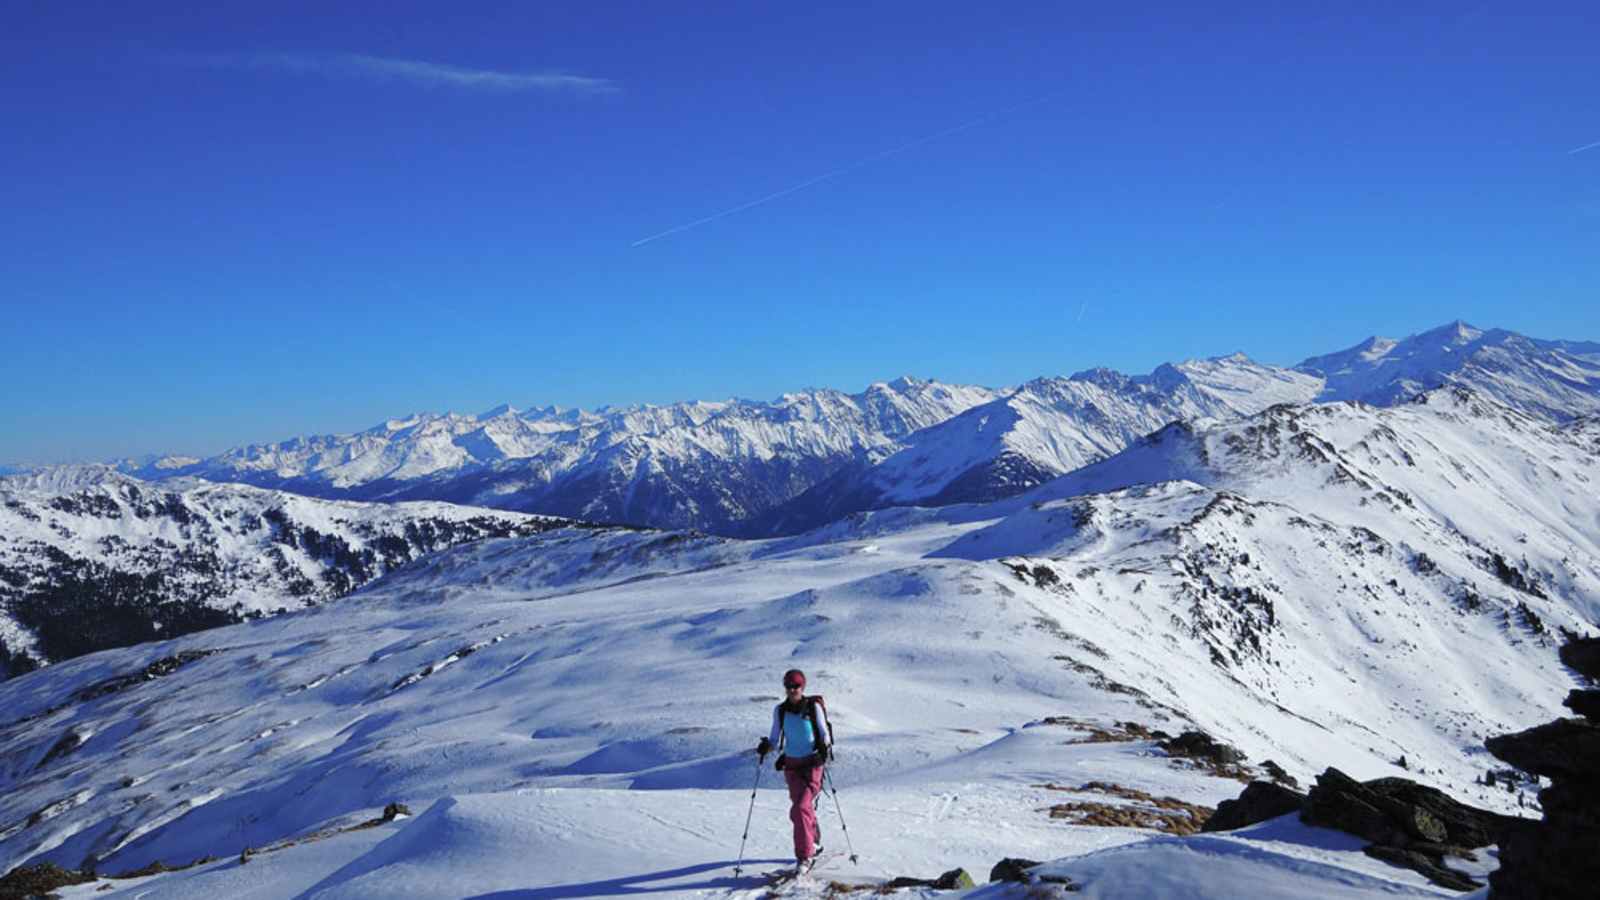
234	222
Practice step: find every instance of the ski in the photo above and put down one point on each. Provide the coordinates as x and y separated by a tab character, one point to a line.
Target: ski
780	877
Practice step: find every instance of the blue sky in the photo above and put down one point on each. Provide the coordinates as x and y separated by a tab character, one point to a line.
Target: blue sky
240	222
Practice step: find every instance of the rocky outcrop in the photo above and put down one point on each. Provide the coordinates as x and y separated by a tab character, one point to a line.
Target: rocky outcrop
39	881
1012	869
953	880
1582	655
1424	863
1261	800
1584	703
1199	745
1558	857
1409	824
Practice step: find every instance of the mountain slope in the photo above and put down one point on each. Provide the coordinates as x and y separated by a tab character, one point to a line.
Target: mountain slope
1300	589
1555	379
753	469
1043	429
91	559
701	465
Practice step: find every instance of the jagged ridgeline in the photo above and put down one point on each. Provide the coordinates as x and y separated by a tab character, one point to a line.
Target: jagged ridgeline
745	468
107	561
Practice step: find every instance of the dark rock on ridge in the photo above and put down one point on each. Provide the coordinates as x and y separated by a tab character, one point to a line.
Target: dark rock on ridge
1557	858
1409	824
1261	800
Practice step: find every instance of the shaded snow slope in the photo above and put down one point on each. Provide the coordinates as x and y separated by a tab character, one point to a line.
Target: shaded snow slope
92	559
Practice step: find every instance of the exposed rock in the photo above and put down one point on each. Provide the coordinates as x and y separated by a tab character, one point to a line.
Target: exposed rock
394	811
953	880
1260	801
40	880
1559	750
1012	869
1464	826
1558	857
159	669
1584	703
1428	865
1278	775
1199	745
1398	812
1409	824
1340	802
157	867
69	742
1583	655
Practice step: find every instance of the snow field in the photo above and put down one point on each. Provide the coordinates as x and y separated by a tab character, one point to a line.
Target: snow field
571	714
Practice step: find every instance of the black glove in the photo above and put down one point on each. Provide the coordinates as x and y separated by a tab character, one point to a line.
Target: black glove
779	764
763	748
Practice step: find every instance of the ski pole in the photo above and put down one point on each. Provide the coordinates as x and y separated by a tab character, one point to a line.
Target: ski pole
739	866
846	828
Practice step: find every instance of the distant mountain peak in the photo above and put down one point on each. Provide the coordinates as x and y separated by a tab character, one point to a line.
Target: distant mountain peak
498	411
64	478
899	385
1558	380
1454	333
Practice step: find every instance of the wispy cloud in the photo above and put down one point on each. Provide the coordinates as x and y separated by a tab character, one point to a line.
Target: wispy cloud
844	170
383	68
1584	147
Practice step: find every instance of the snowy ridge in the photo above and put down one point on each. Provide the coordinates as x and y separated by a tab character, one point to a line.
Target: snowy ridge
91	559
1043	429
1337	585
697	464
1555	379
754	469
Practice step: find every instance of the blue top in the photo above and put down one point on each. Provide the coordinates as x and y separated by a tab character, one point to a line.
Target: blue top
797	730
798	734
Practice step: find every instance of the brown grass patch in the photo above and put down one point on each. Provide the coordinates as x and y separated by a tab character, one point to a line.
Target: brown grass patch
1118	733
1165	814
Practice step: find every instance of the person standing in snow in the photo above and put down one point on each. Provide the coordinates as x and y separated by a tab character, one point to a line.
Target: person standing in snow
801	735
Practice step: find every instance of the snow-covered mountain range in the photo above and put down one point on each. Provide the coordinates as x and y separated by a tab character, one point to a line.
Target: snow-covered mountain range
747	468
704	465
92	559
1042	429
1559	380
1373	588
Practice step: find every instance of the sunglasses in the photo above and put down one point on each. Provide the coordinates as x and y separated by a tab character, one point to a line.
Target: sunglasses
793	686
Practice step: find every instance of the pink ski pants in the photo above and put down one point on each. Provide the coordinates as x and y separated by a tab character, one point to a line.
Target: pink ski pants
805	783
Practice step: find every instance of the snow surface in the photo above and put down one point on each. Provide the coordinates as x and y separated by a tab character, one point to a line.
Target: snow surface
570	713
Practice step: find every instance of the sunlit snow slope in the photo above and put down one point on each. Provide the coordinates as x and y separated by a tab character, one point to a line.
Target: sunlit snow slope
569	713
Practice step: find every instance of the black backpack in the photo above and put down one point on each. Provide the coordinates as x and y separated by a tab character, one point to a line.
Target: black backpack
824	741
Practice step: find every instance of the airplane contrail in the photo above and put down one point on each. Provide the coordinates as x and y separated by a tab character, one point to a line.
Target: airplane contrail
864	161
1584	147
